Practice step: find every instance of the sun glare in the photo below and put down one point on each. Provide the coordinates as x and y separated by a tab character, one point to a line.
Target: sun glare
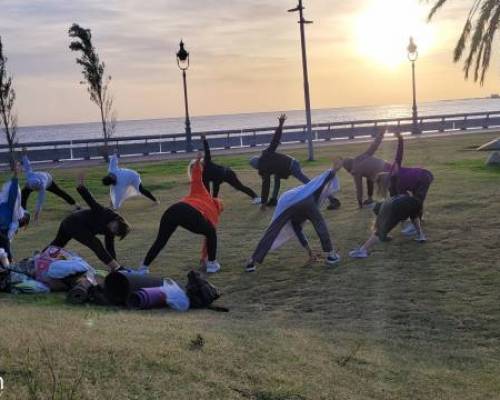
384	27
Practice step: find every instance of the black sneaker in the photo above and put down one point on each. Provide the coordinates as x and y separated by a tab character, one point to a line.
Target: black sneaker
334	204
250	267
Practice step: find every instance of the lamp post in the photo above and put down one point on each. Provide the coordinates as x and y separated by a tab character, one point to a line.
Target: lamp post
183	63
412	57
302	21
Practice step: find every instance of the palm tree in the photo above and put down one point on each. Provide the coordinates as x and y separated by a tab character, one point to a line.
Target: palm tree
477	35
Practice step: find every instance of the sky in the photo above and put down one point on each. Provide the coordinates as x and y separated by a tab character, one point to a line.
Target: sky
245	55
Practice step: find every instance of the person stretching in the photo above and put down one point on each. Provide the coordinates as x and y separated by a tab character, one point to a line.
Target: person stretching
217	174
124	183
366	166
12	214
401	180
281	166
294	208
198	213
41	182
389	213
84	225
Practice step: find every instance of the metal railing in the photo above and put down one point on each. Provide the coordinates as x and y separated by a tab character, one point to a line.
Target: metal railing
79	149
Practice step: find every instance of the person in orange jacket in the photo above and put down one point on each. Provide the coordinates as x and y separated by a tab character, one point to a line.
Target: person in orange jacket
197	212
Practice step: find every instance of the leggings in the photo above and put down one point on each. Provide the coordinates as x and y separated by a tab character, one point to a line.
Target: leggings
5	243
232	179
53	188
188	217
145	192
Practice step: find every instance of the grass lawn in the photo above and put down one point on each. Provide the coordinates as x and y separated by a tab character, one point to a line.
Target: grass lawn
410	322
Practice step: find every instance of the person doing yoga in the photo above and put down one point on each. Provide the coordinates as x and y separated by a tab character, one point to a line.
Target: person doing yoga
41	182
366	166
389	213
199	213
84	225
294	208
401	180
281	166
124	183
218	174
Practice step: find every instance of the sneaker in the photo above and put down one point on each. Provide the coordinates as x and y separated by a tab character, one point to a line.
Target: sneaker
256	200
250	267
334	204
213	267
421	239
409	230
332	258
358	253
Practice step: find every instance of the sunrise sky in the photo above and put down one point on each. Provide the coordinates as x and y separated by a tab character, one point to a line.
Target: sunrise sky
245	55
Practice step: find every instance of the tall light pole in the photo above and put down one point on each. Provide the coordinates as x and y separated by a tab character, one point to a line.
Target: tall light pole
302	22
183	63
412	57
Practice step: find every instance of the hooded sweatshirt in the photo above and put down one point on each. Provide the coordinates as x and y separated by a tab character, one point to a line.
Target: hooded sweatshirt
37	181
127	183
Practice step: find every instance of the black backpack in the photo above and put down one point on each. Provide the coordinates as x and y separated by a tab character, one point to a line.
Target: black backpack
202	293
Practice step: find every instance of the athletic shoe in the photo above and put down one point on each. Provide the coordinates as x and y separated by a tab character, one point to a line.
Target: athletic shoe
332	258
358	253
409	230
213	267
421	238
334	204
257	200
250	267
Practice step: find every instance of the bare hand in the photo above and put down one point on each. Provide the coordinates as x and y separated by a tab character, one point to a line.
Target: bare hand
199	156
80	180
282	118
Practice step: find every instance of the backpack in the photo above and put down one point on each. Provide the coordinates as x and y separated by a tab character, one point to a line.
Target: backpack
201	293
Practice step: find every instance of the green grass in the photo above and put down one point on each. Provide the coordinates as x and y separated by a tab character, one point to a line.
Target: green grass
410	322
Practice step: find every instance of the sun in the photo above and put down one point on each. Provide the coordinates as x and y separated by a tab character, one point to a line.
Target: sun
383	30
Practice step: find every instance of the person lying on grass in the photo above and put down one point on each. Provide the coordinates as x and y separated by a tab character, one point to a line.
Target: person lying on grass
401	180
199	213
84	225
218	174
366	166
281	166
41	182
294	208
389	213
124	183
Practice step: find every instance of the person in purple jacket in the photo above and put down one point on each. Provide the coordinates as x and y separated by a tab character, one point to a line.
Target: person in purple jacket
401	180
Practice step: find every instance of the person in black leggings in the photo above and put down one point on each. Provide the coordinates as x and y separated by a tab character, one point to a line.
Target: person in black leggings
84	225
218	174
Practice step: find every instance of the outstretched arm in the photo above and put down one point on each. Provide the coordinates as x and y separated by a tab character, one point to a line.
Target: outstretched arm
206	148
375	145
113	163
197	186
277	134
398	160
26	164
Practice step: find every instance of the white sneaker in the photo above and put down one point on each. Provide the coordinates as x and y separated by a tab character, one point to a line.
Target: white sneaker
409	230
358	253
257	200
332	258
213	267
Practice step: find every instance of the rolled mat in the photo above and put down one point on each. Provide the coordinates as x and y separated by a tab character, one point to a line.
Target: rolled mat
118	286
79	293
147	298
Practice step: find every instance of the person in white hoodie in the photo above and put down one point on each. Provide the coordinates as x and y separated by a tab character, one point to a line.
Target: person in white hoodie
124	183
41	182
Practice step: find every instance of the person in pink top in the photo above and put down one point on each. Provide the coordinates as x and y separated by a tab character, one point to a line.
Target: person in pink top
366	166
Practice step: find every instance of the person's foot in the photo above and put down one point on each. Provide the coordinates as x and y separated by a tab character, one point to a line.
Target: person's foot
256	200
250	267
334	204
143	270
332	258
213	267
157	202
421	238
367	202
272	202
409	230
358	253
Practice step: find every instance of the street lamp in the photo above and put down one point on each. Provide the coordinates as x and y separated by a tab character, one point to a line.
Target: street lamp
183	63
412	57
302	21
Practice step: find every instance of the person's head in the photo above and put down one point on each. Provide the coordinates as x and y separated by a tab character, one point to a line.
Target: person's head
348	163
254	162
25	220
119	227
383	181
109	180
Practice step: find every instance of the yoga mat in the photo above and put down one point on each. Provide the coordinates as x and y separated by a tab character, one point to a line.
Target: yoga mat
80	292
147	298
118	286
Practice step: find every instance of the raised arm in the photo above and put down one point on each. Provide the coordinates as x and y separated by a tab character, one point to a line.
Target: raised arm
113	163
197	186
26	164
375	145
398	160
207	157
275	142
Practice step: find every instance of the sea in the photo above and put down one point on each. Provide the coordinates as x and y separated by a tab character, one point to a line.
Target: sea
168	126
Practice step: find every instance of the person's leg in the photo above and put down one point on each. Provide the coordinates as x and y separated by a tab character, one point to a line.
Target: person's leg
53	188
276	191
232	179
62	238
215	189
25	194
319	224
369	189
145	192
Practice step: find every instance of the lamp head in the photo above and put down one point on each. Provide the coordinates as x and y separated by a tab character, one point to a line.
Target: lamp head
182	57
412	50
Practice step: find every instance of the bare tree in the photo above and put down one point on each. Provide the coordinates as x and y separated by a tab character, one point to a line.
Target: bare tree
477	35
95	79
8	117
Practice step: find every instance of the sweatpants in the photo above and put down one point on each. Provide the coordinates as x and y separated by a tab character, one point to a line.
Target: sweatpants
145	192
53	188
188	217
307	209
232	179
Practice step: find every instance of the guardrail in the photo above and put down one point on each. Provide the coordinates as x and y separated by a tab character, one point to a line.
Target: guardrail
79	149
